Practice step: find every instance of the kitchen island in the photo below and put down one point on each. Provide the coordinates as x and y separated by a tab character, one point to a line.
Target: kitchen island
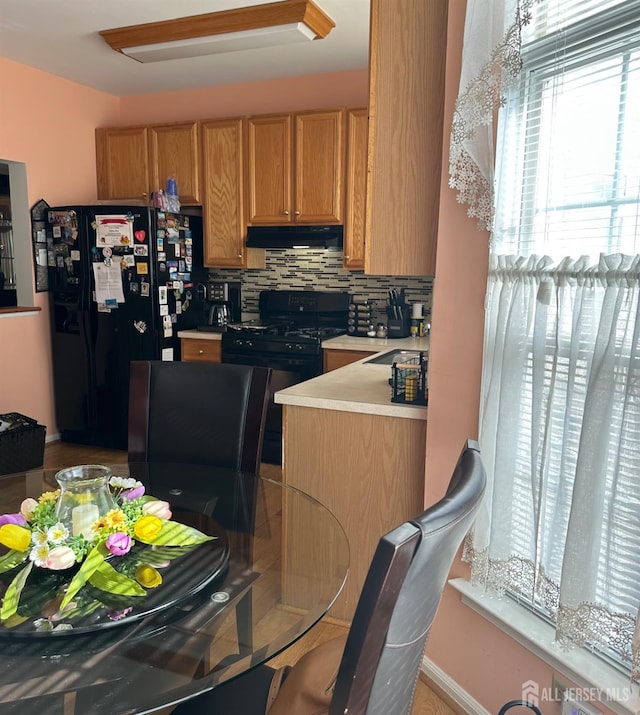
350	447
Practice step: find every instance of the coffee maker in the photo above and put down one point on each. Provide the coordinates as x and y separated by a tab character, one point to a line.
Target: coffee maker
223	304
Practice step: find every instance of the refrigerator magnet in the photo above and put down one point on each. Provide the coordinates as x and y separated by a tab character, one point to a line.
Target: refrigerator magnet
162	256
75	255
142	269
164	309
140	235
178	307
107	252
162	294
160	245
141	250
134	288
144	288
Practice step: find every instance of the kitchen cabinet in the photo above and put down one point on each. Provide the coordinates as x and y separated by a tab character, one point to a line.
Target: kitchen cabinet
174	150
354	463
198	350
406	101
122	163
295	168
333	359
223	206
357	121
132	162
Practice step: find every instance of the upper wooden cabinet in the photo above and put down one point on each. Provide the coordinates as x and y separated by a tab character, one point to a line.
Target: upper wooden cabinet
356	187
223	208
406	104
174	151
295	168
132	162
122	163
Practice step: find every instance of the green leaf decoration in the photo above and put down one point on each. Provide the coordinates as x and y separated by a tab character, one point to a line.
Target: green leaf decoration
14	620
94	558
106	578
12	595
12	559
173	533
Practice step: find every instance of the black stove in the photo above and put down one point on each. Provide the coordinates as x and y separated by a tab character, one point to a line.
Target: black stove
287	338
291	323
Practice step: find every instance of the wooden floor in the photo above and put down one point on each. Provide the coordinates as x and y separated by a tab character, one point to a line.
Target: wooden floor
427	701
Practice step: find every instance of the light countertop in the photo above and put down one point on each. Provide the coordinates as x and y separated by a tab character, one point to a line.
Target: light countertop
375	345
199	334
358	387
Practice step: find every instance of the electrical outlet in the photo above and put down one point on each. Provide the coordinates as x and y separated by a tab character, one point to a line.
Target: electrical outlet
578	707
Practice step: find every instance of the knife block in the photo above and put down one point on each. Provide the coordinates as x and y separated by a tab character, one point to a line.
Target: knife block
399	328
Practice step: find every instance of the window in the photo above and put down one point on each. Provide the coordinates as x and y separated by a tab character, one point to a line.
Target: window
560	422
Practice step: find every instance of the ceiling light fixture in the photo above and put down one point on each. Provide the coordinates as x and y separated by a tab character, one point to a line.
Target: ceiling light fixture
244	28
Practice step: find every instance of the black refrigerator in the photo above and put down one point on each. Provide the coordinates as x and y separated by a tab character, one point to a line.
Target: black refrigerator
122	281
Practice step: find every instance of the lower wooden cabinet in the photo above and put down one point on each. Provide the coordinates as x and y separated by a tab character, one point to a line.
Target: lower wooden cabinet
333	359
195	350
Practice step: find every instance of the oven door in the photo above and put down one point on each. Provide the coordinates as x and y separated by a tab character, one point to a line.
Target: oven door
286	371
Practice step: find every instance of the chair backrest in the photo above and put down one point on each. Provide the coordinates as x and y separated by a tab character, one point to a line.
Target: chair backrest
384	649
197	412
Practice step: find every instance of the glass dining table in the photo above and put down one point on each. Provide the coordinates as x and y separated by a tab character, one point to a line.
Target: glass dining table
276	563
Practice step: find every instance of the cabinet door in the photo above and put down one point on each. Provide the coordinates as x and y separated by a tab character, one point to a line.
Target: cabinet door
122	163
406	101
319	167
223	213
333	359
269	169
356	187
174	151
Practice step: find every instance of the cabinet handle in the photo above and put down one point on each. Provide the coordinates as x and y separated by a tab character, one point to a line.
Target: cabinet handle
285	212
297	213
200	352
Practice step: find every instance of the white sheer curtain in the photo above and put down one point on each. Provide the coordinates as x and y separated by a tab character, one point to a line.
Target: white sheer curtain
560	436
560	415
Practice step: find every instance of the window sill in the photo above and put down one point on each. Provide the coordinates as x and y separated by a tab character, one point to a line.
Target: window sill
583	669
18	310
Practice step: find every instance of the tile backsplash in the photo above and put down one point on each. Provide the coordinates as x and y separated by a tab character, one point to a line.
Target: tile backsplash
321	269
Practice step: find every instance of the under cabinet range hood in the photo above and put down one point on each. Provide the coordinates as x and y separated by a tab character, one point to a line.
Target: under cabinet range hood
294	236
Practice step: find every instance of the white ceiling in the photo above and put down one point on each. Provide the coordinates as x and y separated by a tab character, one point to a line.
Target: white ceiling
61	37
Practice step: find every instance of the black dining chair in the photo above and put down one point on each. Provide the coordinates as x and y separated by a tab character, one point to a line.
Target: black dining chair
197	413
373	670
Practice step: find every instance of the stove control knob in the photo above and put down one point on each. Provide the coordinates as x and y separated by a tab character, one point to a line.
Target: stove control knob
300	347
249	344
288	346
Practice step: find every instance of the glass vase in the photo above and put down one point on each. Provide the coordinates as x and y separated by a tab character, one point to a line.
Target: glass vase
84	497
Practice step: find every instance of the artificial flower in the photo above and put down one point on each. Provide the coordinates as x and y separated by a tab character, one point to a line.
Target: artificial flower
131	494
123	482
39	554
147	576
46	497
119	543
27	507
59	558
15	537
147	527
157	508
57	533
39	538
116	519
13	519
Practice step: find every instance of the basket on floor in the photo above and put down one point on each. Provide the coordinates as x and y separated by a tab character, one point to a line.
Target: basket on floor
21	443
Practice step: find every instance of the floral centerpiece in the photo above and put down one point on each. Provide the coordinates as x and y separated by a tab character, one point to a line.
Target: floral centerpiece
45	542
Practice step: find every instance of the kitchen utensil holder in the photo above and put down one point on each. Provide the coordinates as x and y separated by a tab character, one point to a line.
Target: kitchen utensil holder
399	328
409	381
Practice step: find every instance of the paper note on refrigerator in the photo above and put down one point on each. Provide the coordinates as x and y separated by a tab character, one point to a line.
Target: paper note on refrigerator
108	279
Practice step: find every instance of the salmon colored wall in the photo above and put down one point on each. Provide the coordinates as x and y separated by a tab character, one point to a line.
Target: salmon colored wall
47	123
281	95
